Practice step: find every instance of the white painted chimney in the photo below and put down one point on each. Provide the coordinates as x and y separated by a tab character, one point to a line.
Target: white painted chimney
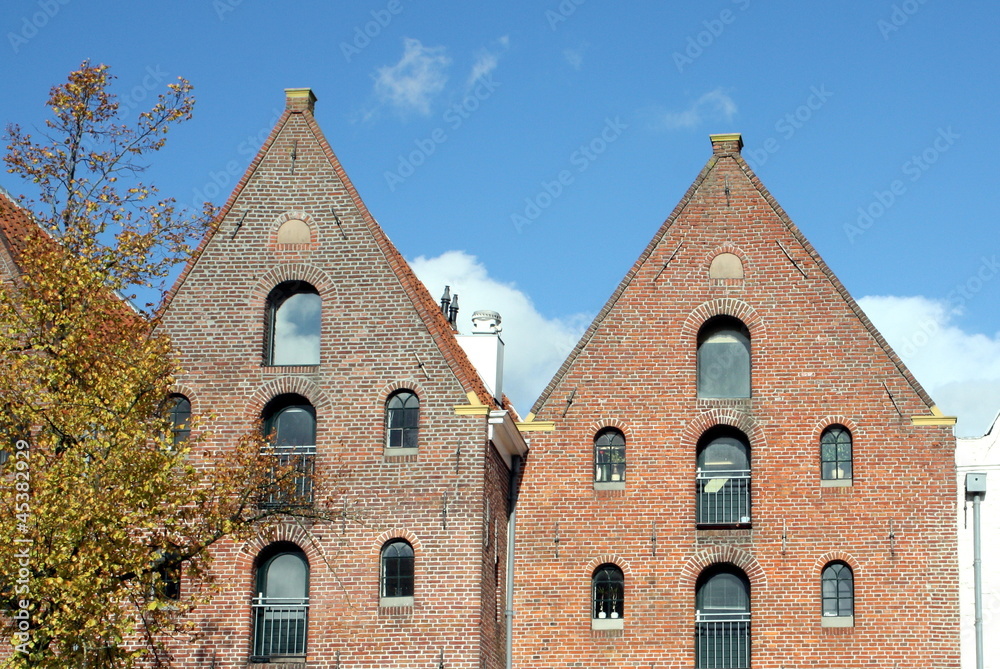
485	350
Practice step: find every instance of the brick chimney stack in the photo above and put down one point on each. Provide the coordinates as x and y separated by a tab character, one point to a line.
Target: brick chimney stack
727	143
300	99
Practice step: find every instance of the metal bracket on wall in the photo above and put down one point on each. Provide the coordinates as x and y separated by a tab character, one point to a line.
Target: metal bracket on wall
441	660
893	399
569	402
294	153
653	539
458	457
239	224
555	540
790	258
444	510
892	541
420	364
672	255
336	219
784	539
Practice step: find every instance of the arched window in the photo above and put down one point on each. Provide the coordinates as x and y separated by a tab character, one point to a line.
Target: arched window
722	619
180	416
281	604
838	591
397	569
290	422
723	478
402	419
723	359
609	456
835	454
608	586
293	313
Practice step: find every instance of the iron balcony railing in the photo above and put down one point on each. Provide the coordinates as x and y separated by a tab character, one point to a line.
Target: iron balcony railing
723	497
722	641
303	460
279	627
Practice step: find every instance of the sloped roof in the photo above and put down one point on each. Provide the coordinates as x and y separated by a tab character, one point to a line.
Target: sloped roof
426	307
792	229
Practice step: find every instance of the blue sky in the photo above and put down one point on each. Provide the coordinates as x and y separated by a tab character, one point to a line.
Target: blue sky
868	121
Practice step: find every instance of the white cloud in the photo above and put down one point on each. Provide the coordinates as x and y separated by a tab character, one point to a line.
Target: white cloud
535	345
960	370
716	105
487	61
412	83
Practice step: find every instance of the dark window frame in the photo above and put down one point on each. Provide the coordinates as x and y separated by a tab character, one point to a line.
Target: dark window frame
722	633
402	419
276	299
717	369
836	454
724	490
301	456
607	592
179	413
280	627
837	590
609	456
397	564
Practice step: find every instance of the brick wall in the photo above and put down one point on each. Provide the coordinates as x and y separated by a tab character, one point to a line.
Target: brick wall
815	361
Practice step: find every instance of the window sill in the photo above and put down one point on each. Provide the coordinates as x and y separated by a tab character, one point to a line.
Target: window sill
290	369
836	483
609	485
284	662
607	623
400	453
837	621
395	606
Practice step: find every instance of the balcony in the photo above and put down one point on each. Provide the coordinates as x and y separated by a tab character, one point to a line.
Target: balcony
723	497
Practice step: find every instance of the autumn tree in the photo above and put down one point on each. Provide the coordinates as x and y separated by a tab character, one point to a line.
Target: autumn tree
102	506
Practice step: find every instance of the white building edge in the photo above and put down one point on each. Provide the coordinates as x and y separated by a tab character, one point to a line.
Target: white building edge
980	455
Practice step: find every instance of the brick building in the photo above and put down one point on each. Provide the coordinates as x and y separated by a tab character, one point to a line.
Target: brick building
732	467
385	407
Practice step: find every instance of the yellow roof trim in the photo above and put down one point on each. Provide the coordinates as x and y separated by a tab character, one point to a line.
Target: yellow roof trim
529	424
473	408
936	417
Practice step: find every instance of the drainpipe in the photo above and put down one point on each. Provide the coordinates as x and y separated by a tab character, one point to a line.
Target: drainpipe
975	486
515	477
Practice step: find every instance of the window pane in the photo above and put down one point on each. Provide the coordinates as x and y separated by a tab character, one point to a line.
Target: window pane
397	570
286	577
295	330
295	426
180	415
724	364
402	420
609	592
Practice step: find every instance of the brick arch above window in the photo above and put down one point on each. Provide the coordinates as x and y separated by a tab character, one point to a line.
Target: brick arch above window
705	421
834	556
310	274
724	306
720	555
710	261
286	385
398	533
827	421
613	423
295	215
412	385
187	391
247	554
608	558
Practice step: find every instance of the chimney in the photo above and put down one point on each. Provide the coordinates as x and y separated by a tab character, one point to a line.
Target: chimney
726	144
299	99
485	350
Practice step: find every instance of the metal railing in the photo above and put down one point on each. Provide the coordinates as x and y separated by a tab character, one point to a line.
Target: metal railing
722	641
303	460
723	497
279	626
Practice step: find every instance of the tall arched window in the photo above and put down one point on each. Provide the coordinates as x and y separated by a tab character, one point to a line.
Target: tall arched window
281	604
608	587
397	569
609	456
723	478
402	419
290	421
723	359
836	455
722	619
180	415
293	315
838	591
